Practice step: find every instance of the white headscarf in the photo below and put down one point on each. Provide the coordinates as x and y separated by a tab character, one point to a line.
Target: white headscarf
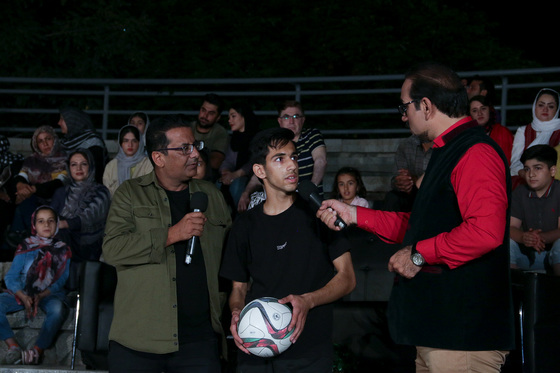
544	129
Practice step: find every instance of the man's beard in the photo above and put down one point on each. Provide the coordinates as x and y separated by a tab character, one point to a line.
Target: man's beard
204	125
424	137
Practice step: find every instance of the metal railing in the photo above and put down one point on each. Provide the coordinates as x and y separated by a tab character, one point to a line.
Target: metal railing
369	100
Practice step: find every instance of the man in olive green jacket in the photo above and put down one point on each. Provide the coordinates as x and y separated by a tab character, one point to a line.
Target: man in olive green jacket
167	312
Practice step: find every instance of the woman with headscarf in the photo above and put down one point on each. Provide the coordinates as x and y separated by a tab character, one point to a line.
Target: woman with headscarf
236	169
141	121
36	280
79	132
544	129
41	174
83	206
130	161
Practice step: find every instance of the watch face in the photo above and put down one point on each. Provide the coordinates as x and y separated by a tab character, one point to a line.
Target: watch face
417	259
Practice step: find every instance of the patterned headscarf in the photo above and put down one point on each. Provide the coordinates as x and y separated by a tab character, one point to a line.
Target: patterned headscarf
77	193
50	262
39	168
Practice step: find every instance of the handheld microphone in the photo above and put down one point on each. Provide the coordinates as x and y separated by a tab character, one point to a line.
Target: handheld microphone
199	203
308	191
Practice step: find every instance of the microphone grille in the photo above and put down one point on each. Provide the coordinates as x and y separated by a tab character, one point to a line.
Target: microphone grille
199	201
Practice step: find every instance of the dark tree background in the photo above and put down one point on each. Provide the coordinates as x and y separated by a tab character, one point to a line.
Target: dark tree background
222	39
255	39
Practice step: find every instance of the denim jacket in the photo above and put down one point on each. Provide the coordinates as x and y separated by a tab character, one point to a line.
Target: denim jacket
17	274
145	313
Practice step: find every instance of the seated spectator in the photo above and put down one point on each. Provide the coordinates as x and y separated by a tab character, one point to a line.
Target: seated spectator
411	159
483	86
207	128
79	133
349	187
236	169
202	169
10	164
130	162
36	280
544	129
7	158
141	121
535	213
41	174
83	206
484	113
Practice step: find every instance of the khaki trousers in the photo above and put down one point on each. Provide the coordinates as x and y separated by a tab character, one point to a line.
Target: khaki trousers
434	360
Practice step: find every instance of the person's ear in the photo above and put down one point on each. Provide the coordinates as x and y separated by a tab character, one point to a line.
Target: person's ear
553	171
427	107
258	170
158	159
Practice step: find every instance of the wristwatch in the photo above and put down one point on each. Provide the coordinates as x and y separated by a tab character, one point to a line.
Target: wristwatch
416	257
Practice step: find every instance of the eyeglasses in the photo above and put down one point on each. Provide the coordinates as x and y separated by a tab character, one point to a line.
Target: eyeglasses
186	148
404	107
287	117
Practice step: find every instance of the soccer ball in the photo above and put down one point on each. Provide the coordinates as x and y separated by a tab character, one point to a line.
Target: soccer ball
263	327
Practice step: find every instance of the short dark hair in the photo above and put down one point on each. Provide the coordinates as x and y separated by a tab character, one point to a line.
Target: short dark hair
542	153
276	137
290	103
485	84
441	85
156	134
214	99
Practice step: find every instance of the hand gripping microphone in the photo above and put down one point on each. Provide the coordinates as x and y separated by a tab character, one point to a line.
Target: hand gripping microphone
308	191
199	203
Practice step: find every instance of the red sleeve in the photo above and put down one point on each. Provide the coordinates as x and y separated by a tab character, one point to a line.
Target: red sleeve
504	138
388	225
479	181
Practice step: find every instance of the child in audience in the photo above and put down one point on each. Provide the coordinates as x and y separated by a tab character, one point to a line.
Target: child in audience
202	171
35	280
349	187
535	213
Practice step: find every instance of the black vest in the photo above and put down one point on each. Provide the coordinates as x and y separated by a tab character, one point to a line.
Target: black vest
470	307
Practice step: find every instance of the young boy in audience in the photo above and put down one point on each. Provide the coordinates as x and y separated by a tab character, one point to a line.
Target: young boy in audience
535	213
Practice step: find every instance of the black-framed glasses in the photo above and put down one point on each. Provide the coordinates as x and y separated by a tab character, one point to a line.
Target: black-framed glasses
186	148
404	107
287	117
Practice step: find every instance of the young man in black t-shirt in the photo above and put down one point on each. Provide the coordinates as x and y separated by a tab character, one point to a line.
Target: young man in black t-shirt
287	253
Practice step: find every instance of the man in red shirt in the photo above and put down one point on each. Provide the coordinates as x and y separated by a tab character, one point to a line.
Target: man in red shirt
452	296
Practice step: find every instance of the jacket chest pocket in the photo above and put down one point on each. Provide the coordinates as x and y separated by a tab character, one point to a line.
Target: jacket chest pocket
146	217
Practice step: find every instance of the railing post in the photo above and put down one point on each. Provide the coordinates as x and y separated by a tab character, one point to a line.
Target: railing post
505	82
105	126
298	92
